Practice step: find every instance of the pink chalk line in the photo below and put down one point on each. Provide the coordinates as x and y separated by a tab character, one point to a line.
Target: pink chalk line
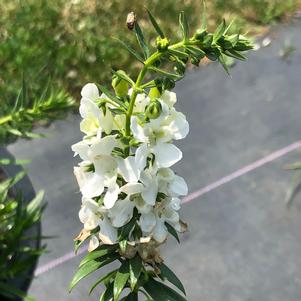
192	196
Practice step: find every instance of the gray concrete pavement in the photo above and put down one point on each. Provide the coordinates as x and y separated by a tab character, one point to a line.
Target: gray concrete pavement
243	243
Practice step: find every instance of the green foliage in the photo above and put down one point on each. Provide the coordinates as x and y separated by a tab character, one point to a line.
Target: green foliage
141	268
16	218
257	11
68	41
18	118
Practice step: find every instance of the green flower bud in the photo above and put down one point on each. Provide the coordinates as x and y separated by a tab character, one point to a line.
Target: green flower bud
154	93
208	40
162	44
195	61
180	68
153	110
200	34
168	84
225	43
119	85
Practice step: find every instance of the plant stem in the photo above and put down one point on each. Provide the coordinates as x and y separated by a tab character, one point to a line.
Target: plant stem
148	63
5	119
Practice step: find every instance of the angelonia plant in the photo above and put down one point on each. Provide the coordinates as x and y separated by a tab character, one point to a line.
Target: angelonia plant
130	194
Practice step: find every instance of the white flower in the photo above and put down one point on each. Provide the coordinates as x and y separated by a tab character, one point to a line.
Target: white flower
107	233
166	155
165	211
89	214
94	120
122	212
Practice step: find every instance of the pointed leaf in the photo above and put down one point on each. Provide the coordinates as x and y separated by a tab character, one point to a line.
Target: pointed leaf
221	59
160	292
98	253
108	93
130	50
204	18
219	31
155	24
135	270
184	25
107	295
172	231
165	73
89	268
103	279
167	273
121	279
235	54
141	40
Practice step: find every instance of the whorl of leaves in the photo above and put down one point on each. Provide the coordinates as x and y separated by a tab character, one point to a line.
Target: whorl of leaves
18	118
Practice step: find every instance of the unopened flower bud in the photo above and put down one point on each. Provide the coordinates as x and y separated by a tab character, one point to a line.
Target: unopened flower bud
119	85
200	34
208	40
162	44
168	84
154	93
153	110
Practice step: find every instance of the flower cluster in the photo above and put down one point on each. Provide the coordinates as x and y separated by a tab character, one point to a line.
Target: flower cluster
121	177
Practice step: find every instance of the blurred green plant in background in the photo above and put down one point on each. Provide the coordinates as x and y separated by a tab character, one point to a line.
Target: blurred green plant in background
71	41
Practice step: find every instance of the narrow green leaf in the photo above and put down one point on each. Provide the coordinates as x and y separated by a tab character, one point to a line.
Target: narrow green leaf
141	40
89	268
98	253
107	295
219	31
35	204
221	59
235	54
165	73
155	24
121	279
103	279
161	292
167	273
135	270
172	231
130	50
184	25
204	16
108	93
5	161
178	53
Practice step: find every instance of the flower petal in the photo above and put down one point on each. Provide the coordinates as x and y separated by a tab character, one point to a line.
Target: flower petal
132	188
122	212
147	222
93	243
137	130
166	154
111	196
103	146
90	91
178	186
107	233
128	169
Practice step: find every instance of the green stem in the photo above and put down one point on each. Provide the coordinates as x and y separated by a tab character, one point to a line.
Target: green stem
148	63
6	119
